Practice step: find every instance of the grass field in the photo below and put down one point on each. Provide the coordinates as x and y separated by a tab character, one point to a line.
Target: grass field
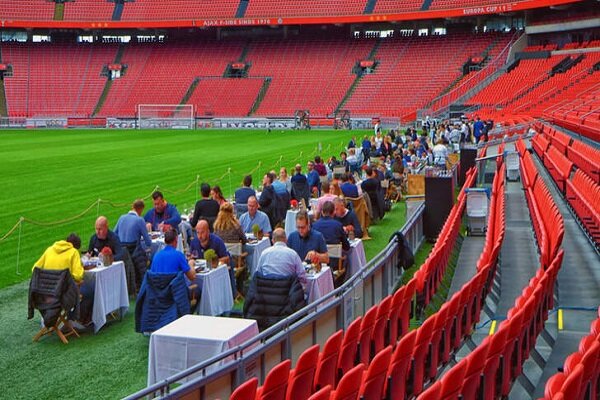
52	176
55	175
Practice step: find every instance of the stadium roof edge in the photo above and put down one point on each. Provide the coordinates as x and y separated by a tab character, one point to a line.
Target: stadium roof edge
277	21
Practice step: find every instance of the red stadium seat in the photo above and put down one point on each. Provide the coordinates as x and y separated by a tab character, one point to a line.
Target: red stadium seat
322	394
348	349
275	385
372	387
300	383
326	372
398	383
349	385
365	345
246	391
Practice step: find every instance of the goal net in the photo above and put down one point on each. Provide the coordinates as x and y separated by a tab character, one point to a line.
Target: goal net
165	116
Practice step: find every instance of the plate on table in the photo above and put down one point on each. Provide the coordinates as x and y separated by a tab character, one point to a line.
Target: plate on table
200	266
89	262
155	235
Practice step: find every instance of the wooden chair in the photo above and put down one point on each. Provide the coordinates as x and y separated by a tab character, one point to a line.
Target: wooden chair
236	251
335	251
46	290
361	209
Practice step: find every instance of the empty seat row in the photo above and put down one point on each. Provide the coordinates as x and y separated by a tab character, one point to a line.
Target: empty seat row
559	167
580	379
582	195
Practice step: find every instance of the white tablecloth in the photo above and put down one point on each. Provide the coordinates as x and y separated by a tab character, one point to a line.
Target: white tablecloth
159	244
356	258
192	339
254	251
216	291
290	220
319	284
110	291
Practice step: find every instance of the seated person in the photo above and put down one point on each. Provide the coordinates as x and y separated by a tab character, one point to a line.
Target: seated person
156	287
372	187
104	237
242	194
328	195
280	260
308	243
163	216
280	275
347	218
227	226
332	230
313	180
64	254
205	208
217	195
255	217
206	241
348	188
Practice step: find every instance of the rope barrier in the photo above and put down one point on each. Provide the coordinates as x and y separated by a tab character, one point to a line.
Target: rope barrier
194	184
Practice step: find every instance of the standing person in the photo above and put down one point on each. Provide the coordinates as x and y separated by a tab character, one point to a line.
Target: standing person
440	154
242	194
366	148
206	208
268	199
372	187
163	216
312	178
285	179
104	237
131	231
352	143
478	129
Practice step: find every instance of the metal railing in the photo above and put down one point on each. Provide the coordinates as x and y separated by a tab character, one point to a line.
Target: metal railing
219	375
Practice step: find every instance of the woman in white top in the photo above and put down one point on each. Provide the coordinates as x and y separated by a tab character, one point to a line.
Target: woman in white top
440	154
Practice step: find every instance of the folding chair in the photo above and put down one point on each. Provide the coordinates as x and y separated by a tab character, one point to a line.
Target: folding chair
236	251
53	293
335	251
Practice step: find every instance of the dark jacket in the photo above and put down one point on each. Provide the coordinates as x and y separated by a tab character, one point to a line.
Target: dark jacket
272	298
51	291
269	203
162	299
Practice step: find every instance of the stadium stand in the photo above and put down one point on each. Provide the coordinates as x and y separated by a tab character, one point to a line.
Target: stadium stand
311	74
392	6
303	8
89	10
399	85
55	79
37	10
151	73
158	10
227	97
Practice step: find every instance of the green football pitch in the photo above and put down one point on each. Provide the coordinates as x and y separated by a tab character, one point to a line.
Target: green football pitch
56	182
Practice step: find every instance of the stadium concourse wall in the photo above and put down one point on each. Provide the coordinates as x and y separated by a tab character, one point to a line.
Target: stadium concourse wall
278	20
201	123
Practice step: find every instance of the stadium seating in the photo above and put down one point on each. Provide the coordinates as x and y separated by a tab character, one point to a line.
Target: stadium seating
162	74
39	10
449	4
394	6
55	80
398	86
89	10
581	370
310	74
226	97
172	10
303	8
559	167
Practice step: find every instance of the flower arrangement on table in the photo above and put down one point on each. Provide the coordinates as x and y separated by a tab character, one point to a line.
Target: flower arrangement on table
211	258
106	255
294	204
258	233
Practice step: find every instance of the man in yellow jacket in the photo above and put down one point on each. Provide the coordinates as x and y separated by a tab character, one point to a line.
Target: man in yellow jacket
63	254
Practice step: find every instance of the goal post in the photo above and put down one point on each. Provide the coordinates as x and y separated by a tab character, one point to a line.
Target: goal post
165	116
